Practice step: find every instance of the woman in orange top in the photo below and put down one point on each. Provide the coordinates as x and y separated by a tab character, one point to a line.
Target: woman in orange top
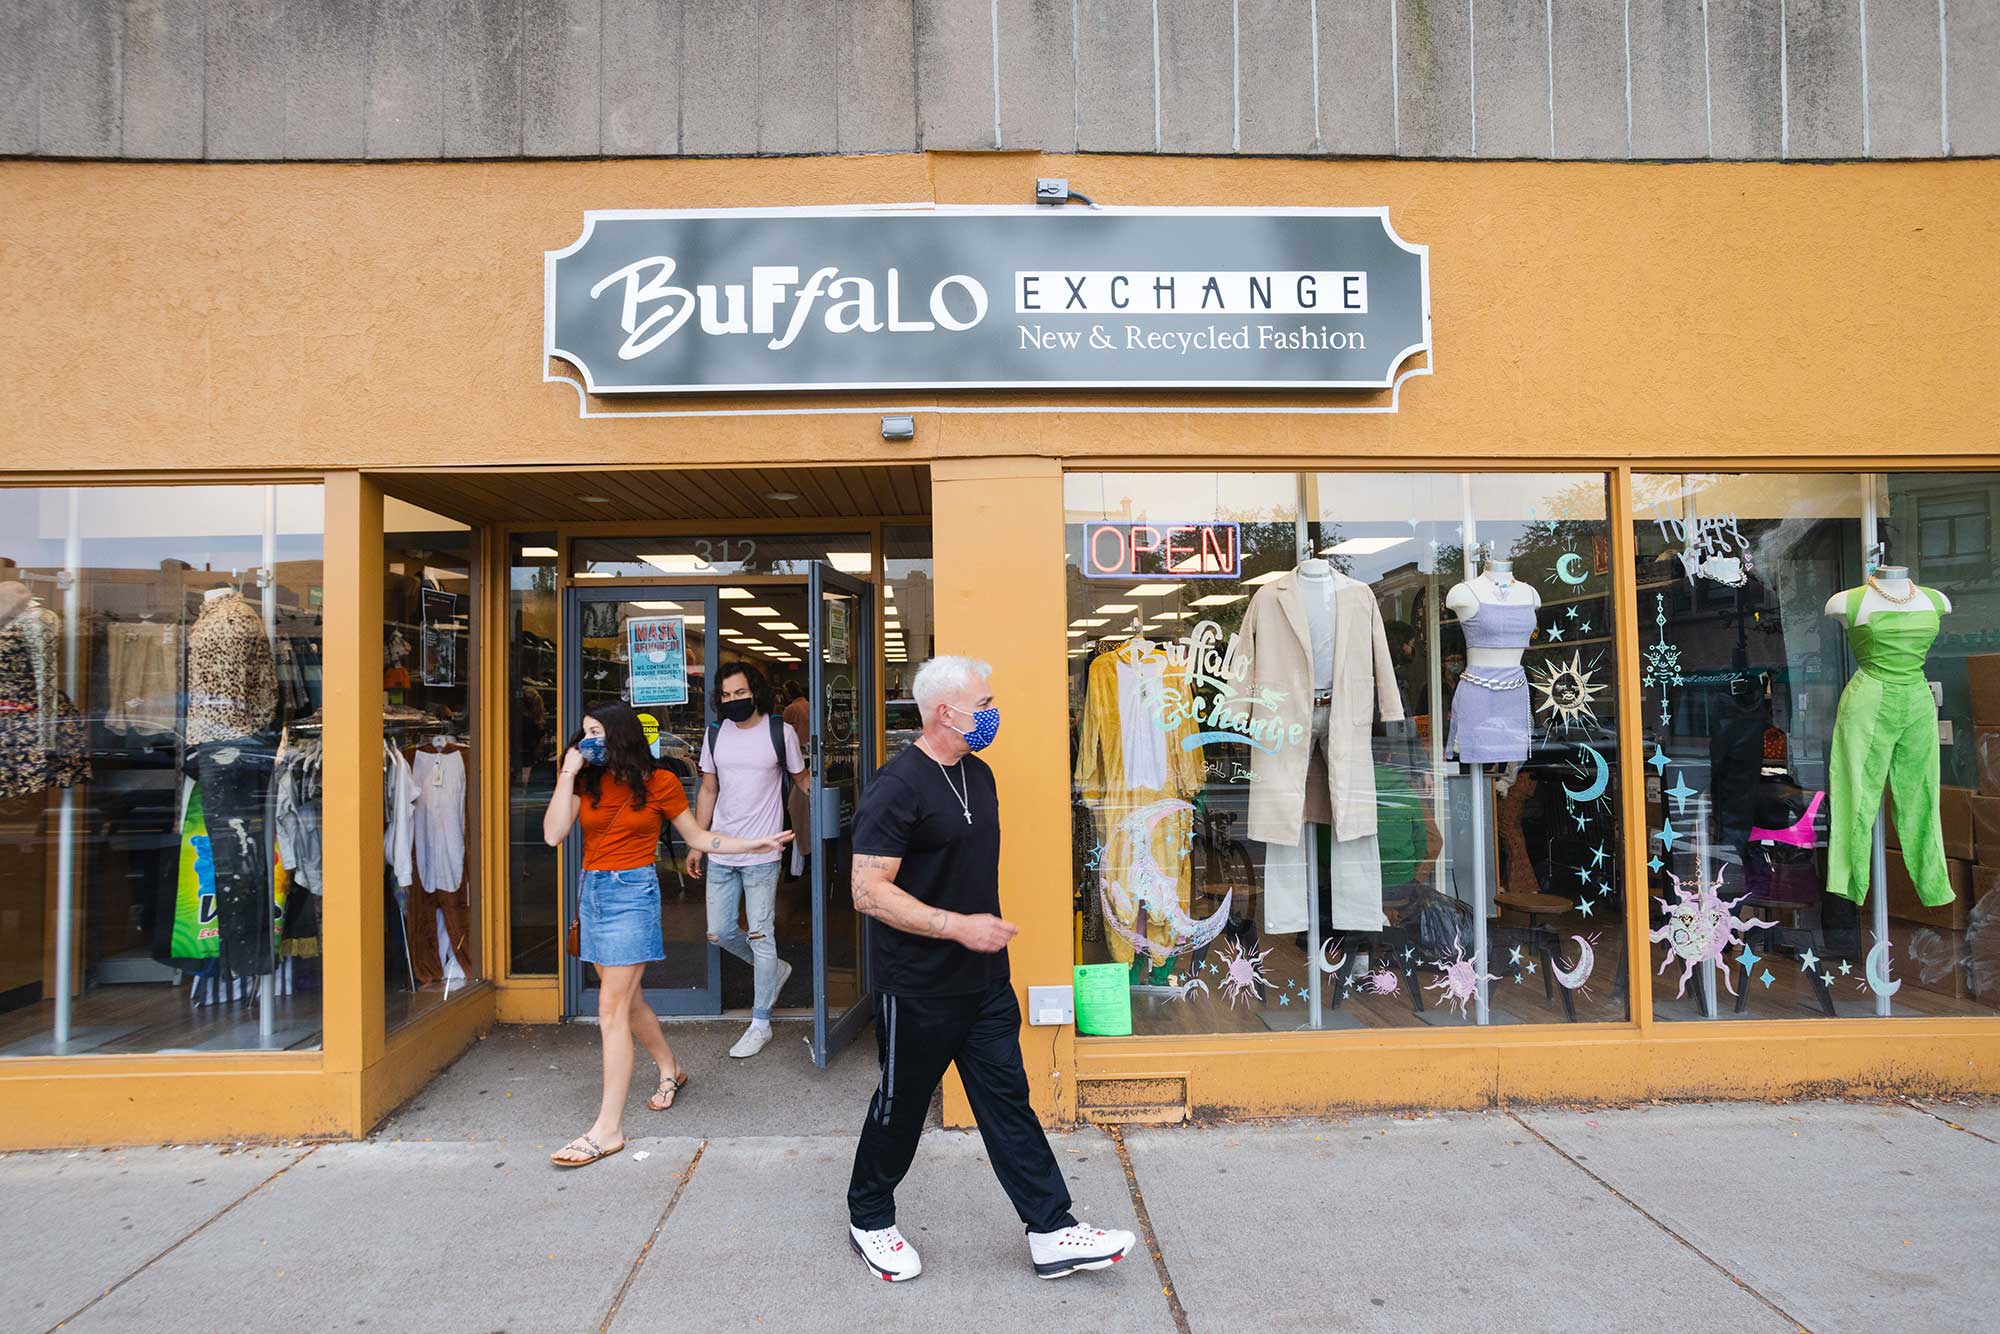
610	788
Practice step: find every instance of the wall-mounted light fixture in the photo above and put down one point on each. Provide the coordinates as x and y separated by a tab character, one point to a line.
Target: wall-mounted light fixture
899	428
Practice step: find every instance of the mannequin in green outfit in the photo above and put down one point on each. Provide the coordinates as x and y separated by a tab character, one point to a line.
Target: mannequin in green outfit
1887	730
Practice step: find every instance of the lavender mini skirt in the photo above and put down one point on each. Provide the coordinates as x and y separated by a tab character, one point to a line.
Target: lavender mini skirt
1489	717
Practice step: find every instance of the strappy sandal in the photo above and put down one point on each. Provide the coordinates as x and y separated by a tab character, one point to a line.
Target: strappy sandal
668	1088
596	1153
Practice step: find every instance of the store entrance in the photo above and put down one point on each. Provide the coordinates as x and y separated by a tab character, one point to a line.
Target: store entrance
809	642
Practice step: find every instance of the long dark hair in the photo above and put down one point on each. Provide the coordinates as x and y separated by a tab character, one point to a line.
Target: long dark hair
760	685
627	757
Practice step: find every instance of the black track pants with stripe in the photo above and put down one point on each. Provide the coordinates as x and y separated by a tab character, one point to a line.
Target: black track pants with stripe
918	1036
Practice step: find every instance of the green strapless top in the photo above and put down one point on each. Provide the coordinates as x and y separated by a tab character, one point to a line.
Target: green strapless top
1891	645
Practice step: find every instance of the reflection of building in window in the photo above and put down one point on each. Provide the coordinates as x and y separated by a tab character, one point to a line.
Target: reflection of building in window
1954	535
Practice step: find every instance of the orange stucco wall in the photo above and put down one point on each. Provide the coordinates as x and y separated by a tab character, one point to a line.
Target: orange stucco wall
390	315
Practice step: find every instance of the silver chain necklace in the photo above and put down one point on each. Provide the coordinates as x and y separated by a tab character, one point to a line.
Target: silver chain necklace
965	797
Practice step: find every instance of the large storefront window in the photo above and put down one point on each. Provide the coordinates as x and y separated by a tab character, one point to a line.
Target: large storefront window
159	710
534	711
1811	644
1345	750
909	630
430	761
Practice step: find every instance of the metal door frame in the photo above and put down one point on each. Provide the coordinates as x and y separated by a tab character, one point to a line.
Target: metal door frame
830	1032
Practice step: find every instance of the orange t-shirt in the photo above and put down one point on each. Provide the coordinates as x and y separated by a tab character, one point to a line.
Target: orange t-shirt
618	836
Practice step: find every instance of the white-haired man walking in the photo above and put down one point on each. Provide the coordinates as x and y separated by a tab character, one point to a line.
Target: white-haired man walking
927	869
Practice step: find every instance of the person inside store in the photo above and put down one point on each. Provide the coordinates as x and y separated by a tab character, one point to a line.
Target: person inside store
611	789
749	761
927	869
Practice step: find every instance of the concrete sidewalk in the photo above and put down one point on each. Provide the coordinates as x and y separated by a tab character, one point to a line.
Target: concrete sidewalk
1738	1217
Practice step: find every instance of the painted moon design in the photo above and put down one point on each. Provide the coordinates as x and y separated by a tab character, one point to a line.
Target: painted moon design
1596	786
1330	965
1878	971
1586	961
1154	891
1563	568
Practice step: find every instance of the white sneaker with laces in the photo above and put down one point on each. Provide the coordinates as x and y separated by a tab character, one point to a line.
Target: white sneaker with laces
886	1253
1078	1246
755	1038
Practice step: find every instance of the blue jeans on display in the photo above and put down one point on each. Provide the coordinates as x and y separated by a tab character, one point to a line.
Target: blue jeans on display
756	889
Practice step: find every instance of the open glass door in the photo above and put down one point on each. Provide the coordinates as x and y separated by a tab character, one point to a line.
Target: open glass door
652	648
842	761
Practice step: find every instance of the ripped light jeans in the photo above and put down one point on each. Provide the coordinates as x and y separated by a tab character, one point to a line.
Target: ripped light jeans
756	889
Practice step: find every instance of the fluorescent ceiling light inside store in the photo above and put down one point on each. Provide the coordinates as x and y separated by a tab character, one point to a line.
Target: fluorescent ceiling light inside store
657	606
759	612
1153	590
850	562
1086	622
1363	546
775	625
677	564
736	595
1218	599
1078	634
1271	578
1114	608
730	633
538	553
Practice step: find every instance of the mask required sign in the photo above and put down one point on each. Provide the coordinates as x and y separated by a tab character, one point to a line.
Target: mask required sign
651	302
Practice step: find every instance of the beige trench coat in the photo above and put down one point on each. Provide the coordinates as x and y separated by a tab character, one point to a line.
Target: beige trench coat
1364	679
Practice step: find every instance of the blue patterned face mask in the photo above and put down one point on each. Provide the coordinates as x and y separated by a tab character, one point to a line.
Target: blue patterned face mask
592	749
985	727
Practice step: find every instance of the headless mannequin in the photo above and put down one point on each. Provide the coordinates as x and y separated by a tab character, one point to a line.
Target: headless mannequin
1495	584
1890	590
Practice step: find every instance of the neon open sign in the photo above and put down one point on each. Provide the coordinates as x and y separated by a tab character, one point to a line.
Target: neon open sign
1183	550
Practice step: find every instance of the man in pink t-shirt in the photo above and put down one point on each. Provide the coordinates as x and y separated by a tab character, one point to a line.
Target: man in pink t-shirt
747	763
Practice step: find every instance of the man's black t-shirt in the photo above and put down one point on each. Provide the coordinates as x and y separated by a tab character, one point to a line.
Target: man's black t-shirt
912	811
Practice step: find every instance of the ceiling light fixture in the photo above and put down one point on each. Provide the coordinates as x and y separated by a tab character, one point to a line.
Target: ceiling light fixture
736	595
851	562
595	500
1363	546
538	553
782	497
1218	599
1153	590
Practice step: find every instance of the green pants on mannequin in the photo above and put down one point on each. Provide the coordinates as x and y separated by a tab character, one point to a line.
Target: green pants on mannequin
1887	731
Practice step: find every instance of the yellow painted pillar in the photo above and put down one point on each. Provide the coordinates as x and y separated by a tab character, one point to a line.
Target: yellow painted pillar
997	541
1631	753
352	812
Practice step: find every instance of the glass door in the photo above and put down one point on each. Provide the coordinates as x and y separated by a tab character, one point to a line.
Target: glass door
652	648
842	660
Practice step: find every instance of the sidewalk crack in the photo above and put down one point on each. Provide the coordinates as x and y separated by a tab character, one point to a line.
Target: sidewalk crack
639	1261
1146	1234
1657	1222
179	1242
1914	1105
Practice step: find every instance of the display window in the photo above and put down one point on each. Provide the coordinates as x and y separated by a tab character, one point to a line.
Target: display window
1344	751
160	688
430	761
909	630
1822	739
534	711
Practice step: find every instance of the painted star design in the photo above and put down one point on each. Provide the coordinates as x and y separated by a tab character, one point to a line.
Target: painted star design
1845	968
1807	960
1555	633
1514	956
1659	761
1583	906
1597	855
1669	835
1572	611
1826	978
1283	999
1748	959
1585	627
1531	965
1655	864
1583	874
1680	792
1766	978
1582	820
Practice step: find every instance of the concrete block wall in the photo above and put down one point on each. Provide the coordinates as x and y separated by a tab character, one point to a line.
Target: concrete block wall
1570	79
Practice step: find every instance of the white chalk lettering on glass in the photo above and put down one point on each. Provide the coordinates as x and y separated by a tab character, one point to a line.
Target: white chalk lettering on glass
1709	548
1234	712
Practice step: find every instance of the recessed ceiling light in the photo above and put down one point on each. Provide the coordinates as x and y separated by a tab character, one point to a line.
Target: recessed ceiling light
1078	634
1087	623
758	612
695	620
774	625
1218	599
736	595
851	562
595	500
782	497
1153	590
1271	578
1363	546
539	553
1114	608
671	563
658	606
592	574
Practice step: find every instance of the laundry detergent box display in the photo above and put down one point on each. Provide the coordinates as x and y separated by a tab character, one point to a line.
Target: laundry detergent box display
1986	830
1982	674
1954	821
1904	903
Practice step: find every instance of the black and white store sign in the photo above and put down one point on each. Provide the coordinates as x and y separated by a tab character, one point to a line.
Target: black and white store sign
987	298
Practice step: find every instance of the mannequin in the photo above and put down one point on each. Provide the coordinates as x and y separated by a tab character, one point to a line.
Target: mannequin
1886	732
1320	655
1489	708
232	700
43	742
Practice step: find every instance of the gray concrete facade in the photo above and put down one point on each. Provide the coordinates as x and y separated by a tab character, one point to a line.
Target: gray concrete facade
1606	80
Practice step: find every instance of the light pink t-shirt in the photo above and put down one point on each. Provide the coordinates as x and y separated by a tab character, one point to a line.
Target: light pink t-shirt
749	800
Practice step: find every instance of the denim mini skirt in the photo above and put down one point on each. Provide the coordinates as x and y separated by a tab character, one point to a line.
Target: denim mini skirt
620	916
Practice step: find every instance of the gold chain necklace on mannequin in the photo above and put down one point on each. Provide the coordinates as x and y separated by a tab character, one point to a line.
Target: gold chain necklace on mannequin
1908	597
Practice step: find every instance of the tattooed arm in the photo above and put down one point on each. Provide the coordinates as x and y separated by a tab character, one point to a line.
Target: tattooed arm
702	839
877	895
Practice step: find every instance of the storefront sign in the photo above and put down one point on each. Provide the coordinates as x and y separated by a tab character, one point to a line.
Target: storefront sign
655	301
658	666
1183	550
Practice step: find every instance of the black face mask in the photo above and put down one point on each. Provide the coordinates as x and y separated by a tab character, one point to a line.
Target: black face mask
738	710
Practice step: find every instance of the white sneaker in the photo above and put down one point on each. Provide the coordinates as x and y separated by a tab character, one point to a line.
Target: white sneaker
1058	1254
886	1253
755	1038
